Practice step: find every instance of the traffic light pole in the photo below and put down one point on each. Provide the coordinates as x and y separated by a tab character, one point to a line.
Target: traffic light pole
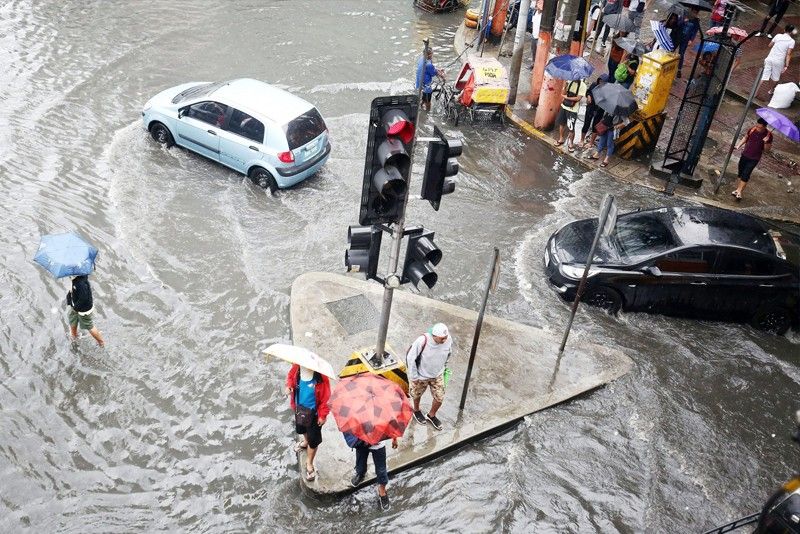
392	279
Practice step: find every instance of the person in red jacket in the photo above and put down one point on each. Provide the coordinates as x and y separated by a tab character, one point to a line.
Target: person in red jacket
309	393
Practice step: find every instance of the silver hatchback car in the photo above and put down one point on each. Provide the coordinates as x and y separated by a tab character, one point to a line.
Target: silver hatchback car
275	138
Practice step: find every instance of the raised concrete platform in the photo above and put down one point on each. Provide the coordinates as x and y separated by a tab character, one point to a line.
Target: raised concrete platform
516	369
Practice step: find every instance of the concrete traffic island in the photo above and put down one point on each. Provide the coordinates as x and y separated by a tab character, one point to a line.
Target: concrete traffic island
516	370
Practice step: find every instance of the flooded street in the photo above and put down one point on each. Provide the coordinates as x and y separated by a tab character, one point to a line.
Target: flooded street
179	424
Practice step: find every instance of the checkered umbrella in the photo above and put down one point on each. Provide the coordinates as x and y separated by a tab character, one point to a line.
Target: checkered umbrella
370	407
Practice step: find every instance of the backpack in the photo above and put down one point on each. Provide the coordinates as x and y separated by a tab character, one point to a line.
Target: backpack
418	359
621	74
353	442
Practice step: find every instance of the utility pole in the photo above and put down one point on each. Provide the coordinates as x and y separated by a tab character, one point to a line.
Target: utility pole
519	46
543	49
550	94
499	17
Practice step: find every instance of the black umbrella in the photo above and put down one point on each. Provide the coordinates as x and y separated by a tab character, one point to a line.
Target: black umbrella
614	99
619	22
702	5
631	45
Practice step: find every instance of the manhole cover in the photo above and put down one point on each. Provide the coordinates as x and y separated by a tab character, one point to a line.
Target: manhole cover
355	314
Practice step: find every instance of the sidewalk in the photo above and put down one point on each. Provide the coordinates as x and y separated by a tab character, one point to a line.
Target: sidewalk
517	370
774	189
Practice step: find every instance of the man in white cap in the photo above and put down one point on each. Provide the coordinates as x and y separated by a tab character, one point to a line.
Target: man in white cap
425	361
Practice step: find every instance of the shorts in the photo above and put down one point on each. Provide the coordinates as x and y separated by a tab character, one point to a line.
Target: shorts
313	432
418	387
84	321
426	97
746	166
772	71
567	117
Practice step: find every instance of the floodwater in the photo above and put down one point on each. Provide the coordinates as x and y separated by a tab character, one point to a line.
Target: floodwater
179	424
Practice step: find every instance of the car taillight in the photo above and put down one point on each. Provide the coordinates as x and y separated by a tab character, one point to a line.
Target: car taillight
286	157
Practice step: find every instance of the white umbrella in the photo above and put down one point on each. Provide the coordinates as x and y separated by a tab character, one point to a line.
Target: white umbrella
302	357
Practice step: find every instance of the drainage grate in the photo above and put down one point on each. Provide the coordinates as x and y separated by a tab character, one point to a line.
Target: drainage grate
355	314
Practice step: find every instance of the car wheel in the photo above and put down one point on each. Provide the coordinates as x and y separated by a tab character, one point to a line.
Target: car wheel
773	319
604	298
161	134
262	178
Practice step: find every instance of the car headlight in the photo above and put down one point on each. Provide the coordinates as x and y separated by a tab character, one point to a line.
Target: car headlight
576	272
147	106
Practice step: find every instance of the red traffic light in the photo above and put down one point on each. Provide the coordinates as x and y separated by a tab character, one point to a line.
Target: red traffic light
398	125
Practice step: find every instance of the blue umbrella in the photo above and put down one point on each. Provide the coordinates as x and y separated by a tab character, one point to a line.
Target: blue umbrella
708	46
568	67
65	255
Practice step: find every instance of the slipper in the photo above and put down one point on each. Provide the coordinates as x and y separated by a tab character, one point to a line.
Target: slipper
593	157
299	447
559	143
311	475
571	148
604	164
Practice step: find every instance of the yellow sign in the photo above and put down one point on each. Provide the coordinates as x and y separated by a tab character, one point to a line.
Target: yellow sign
358	363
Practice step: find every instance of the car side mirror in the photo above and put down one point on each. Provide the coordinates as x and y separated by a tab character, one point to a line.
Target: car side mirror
652	270
181	112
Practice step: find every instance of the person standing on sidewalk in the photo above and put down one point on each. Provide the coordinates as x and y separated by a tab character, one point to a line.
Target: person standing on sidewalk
610	7
690	28
381	473
81	309
777	9
536	21
426	360
717	17
755	142
309	393
593	113
779	57
573	93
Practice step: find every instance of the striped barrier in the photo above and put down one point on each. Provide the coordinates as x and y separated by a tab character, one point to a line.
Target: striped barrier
639	137
358	364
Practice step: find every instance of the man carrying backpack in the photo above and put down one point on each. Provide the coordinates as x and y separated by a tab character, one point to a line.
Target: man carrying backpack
425	362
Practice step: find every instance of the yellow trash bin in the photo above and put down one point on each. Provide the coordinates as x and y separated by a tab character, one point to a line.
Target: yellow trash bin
653	81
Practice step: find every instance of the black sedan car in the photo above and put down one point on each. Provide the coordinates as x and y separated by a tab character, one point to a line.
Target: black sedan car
693	262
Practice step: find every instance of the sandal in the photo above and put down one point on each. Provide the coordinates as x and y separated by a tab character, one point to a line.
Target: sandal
604	164
559	143
595	158
299	447
311	475
571	148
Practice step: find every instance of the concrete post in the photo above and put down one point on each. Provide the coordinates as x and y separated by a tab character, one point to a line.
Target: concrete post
519	46
550	94
499	17
548	9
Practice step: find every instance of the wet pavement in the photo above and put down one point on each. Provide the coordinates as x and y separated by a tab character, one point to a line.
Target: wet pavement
179	424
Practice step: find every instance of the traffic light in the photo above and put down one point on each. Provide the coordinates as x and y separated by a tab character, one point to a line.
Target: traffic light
422	255
363	250
388	161
440	164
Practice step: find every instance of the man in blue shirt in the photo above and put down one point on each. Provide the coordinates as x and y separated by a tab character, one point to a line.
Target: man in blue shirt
425	77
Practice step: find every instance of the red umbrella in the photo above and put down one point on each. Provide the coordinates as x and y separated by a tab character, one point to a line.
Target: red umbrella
370	407
733	31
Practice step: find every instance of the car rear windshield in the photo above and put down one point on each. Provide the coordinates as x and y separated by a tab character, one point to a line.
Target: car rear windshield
304	129
638	236
198	91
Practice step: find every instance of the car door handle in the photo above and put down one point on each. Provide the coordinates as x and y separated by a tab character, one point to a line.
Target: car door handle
699	283
212	132
251	147
766	285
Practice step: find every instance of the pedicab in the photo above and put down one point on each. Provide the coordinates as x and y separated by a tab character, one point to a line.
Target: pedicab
481	90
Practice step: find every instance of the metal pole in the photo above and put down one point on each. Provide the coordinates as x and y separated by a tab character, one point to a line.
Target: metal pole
600	224
735	138
397	239
478	325
519	46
